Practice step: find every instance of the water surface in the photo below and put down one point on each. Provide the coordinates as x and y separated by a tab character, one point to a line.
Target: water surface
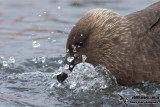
33	36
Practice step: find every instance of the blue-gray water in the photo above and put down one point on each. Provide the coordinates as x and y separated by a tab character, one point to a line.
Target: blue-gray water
33	36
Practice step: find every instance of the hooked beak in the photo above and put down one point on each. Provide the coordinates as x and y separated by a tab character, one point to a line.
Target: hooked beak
61	77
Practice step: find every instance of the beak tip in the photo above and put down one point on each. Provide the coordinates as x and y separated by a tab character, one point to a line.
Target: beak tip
61	77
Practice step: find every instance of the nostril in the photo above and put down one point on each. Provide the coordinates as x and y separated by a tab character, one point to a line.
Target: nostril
61	77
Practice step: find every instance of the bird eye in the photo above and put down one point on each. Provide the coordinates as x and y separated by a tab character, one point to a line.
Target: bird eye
80	44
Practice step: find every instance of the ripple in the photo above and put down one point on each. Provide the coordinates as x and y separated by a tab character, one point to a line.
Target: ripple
86	85
89	85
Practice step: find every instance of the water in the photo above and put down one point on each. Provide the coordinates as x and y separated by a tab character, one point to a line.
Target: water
33	36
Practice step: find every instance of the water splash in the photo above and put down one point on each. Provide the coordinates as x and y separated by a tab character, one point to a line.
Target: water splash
39	59
85	77
86	84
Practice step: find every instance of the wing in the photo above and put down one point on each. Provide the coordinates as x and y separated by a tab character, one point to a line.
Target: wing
145	20
145	35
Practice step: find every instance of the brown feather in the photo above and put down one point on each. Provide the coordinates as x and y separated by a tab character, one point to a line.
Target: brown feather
129	46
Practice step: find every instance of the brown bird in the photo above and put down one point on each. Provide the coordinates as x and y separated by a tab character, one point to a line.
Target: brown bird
129	46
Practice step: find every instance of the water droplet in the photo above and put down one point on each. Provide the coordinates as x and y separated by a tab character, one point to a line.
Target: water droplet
5	63
66	66
44	12
81	34
49	38
75	55
34	60
84	57
74	48
2	57
54	40
43	59
12	59
35	44
52	32
71	66
66	28
59	7
70	59
67	50
60	61
39	15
